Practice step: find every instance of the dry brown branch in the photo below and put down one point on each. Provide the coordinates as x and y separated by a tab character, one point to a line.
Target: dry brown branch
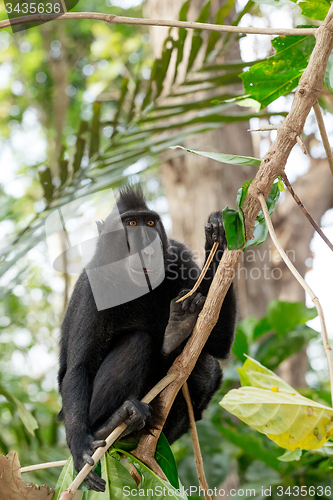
46	465
305	212
302	282
113	19
323	134
272	165
301	144
202	274
264	128
196	445
68	494
306	96
185	362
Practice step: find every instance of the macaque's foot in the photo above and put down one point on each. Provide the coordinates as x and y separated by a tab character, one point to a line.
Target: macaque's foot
132	412
82	451
183	317
215	231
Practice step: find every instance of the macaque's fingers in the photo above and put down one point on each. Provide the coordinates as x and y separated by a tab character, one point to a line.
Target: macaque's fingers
95	482
98	444
132	412
197	303
87	458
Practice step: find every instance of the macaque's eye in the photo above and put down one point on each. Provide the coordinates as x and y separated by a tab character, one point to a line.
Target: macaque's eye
151	223
132	223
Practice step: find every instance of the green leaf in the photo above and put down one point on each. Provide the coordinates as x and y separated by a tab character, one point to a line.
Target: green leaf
281	185
279	74
247	325
260	233
329	74
262	327
152	483
63	167
242	192
182	34
234	228
164	457
80	144
273	198
275	349
285	316
45	178
65	479
219	18
290	420
290	456
28	420
241	346
260	230
216	461
252	445
315	9
118	478
197	39
247	161
163	65
254	374
123	93
95	129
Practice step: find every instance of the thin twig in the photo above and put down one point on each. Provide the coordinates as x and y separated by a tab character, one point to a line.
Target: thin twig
300	279
47	465
68	494
305	212
264	128
113	19
323	134
196	445
301	144
203	272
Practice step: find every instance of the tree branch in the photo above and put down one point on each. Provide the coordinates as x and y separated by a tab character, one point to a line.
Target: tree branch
305	212
323	134
196	445
68	494
113	19
272	165
306	96
302	282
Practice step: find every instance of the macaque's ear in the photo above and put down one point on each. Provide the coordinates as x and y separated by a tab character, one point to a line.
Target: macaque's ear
99	225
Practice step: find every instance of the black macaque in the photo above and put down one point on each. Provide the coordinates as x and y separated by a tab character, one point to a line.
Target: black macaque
111	357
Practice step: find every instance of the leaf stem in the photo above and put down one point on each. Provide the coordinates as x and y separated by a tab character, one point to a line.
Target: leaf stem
305	212
46	465
302	282
323	133
196	445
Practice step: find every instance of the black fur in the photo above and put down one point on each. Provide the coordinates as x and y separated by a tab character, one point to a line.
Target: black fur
114	355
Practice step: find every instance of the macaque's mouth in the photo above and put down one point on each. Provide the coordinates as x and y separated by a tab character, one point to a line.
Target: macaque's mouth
143	270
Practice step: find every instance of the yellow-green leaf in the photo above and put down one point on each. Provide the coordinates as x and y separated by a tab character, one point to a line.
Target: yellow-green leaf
255	374
290	420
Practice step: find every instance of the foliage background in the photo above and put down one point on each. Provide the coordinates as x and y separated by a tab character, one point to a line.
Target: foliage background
50	77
